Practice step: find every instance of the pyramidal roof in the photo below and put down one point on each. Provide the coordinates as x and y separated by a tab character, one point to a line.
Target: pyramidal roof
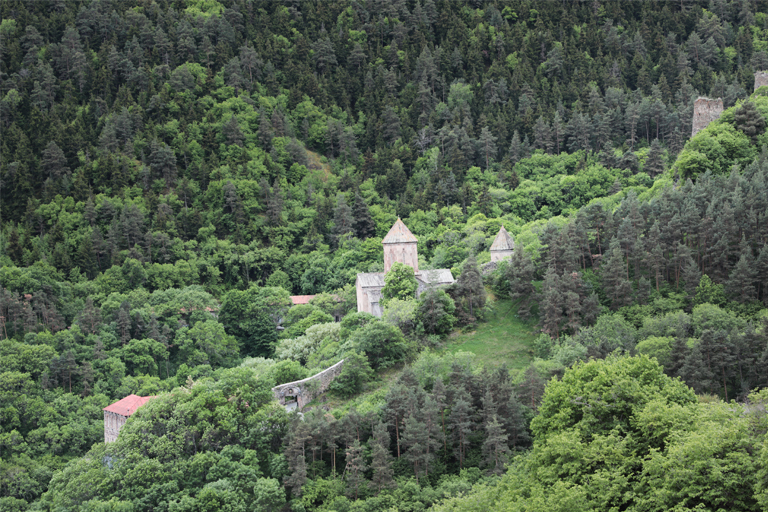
399	234
503	241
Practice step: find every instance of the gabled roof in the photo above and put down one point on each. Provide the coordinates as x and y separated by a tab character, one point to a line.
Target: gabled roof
399	234
128	405
503	241
301	299
436	276
371	279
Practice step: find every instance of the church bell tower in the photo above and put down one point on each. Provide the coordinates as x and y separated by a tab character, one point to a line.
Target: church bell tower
400	245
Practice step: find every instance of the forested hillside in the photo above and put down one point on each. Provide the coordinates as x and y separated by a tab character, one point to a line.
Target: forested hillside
172	171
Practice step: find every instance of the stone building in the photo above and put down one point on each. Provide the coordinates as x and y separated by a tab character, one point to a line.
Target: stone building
705	110
761	78
503	246
118	413
399	245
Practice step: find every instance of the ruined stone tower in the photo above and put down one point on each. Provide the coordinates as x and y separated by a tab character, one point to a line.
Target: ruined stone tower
761	78
400	245
705	110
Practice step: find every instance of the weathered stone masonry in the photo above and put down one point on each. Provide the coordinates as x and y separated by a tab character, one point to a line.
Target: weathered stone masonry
306	390
705	110
761	78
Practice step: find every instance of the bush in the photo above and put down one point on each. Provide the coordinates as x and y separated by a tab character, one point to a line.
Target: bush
382	343
287	371
354	374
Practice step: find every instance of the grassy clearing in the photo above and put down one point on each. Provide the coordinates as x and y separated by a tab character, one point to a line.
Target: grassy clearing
502	338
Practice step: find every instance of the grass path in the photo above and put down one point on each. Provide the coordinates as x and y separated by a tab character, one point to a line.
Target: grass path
502	338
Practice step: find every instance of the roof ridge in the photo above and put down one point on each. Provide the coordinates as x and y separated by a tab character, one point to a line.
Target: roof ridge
399	233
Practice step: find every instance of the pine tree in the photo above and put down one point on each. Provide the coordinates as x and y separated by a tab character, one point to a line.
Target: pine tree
232	133
495	449
617	287
532	388
515	148
740	285
552	304
343	220
520	275
749	120
124	322
654	163
542	138
470	288
415	441
54	162
364	225
355	469
296	455
487	143
381	458
691	277
461	424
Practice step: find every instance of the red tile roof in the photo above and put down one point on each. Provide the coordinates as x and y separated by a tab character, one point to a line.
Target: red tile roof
128	405
301	299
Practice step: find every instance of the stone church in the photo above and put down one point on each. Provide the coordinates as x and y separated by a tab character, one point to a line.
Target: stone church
399	245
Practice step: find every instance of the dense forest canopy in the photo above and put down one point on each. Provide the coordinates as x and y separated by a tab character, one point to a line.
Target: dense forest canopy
171	172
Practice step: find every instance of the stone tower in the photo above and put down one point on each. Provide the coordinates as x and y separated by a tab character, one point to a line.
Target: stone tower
118	413
400	245
761	78
503	245
705	110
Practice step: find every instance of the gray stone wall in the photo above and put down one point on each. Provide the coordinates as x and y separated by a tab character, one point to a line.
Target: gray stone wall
761	78
112	425
501	255
306	390
705	110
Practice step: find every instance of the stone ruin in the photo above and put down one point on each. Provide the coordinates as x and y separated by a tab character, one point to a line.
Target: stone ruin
705	110
761	78
295	395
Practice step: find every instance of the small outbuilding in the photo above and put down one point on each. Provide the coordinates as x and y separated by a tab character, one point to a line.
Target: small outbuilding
118	413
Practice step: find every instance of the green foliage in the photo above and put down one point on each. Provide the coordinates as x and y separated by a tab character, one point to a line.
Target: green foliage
399	283
435	312
657	347
251	316
354	374
168	176
382	343
190	429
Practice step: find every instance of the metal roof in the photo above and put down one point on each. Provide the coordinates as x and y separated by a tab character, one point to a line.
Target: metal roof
503	241
373	279
301	299
399	234
437	276
128	405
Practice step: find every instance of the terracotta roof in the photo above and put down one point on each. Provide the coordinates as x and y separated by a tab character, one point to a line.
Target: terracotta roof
301	299
503	241
128	405
399	234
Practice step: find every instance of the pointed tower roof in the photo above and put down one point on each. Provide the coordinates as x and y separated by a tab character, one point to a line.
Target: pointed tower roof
503	241
399	234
